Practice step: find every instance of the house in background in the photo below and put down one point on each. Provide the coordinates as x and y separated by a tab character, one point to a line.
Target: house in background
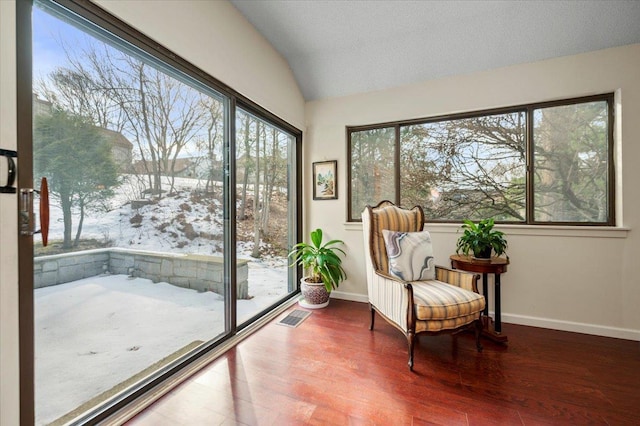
121	147
187	167
41	106
566	278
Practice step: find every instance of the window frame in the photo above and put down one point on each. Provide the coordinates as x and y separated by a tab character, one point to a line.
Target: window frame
528	110
99	17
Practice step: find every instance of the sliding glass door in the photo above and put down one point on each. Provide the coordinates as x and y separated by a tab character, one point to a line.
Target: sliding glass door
265	212
171	214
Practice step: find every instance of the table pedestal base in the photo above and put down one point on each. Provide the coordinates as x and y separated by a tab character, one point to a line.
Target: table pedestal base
490	333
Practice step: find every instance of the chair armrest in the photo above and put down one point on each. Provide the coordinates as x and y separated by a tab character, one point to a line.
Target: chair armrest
462	279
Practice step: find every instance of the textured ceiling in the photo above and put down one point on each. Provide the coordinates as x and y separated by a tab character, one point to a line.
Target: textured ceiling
337	48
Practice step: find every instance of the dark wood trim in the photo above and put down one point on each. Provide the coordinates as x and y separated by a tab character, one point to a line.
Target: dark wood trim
411	322
481	113
612	160
349	212
528	110
397	177
298	193
25	180
529	198
230	221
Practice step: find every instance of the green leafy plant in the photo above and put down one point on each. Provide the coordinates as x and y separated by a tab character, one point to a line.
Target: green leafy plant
481	239
321	260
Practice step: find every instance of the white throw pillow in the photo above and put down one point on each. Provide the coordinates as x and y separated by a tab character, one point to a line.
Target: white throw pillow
410	255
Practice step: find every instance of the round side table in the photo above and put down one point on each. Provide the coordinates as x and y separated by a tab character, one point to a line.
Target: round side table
495	266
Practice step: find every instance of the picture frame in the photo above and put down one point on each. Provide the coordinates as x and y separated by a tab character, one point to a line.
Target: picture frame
325	180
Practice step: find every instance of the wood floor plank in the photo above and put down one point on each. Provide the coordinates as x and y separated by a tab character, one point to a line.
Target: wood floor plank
332	370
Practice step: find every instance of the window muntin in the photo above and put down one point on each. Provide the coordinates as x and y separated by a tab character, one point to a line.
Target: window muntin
547	163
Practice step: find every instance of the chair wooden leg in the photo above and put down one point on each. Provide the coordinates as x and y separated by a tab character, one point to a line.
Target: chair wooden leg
373	316
478	332
411	339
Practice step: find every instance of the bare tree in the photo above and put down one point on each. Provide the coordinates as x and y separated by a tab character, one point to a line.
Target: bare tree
466	168
213	147
257	205
571	163
164	113
244	154
122	92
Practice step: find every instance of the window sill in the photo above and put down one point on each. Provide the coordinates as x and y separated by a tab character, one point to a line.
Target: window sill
534	230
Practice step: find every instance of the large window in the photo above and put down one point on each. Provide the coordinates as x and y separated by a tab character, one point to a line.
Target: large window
546	163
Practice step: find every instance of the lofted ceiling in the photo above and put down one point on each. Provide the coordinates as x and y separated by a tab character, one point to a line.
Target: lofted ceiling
341	47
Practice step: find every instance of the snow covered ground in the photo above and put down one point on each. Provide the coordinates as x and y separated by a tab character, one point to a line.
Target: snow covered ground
163	225
93	334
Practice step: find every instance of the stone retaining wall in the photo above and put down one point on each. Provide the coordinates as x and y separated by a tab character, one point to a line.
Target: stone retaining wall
195	271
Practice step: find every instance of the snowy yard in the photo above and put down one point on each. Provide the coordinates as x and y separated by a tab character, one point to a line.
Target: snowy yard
94	333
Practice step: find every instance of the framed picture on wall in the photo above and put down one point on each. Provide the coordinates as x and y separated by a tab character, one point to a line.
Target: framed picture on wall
325	180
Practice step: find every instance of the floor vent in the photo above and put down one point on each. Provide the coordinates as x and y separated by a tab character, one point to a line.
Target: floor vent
294	318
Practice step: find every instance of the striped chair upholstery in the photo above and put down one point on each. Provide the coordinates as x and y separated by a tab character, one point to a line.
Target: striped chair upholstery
389	216
448	303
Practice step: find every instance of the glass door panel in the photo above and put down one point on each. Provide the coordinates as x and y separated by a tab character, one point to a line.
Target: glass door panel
265	219
133	276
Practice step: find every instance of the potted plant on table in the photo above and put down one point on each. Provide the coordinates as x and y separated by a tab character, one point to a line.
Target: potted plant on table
481	239
324	267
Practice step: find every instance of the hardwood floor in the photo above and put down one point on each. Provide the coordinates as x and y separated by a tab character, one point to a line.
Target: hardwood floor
331	370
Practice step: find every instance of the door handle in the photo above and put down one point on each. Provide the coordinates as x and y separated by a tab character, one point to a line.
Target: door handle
27	222
11	171
44	211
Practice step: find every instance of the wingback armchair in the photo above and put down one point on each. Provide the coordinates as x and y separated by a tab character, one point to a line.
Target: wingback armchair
404	285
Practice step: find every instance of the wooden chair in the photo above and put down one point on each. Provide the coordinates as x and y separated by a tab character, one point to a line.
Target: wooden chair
447	302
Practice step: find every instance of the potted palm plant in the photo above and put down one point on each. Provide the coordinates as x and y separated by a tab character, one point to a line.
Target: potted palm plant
324	268
481	239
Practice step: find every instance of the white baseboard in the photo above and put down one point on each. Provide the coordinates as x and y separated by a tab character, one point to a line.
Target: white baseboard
576	327
353	297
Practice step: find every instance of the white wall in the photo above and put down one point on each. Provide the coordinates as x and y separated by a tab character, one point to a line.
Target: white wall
212	35
9	366
584	280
